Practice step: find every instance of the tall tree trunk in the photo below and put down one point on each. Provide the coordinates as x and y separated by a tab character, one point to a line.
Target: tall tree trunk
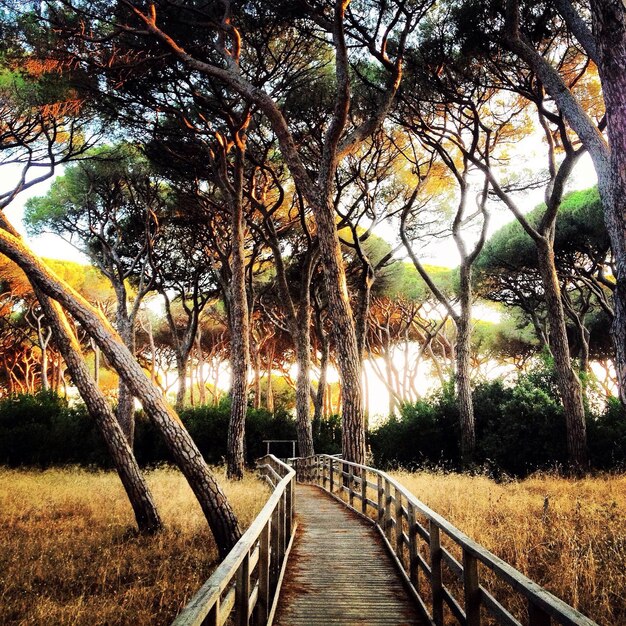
320	404
569	384
269	391
215	506
181	373
303	383
343	332
96	361
462	378
609	24
125	402
240	333
257	377
201	368
137	490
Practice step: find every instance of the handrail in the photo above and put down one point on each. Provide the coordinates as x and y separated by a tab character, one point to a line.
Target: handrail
247	581
407	524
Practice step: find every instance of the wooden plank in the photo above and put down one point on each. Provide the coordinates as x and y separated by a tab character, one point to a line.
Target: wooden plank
453	605
494	608
455	567
263	606
541	599
436	584
364	491
243	592
339	572
471	589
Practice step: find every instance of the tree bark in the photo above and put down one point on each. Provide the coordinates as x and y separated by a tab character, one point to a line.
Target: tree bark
609	26
125	411
462	375
569	383
215	506
240	330
137	490
343	332
609	159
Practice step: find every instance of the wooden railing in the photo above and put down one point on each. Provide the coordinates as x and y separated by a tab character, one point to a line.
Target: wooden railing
447	589
244	588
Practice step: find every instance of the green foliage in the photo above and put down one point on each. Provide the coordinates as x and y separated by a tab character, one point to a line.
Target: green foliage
43	430
519	429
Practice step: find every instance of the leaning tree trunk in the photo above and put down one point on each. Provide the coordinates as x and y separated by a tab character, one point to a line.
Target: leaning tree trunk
609	22
240	338
137	490
568	382
125	411
217	510
303	383
343	333
181	374
462	378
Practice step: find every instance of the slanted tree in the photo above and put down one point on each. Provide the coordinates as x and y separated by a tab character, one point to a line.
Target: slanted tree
108	207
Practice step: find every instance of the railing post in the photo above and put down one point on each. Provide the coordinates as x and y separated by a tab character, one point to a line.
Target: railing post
537	616
350	483
435	574
281	530
275	535
332	474
289	496
381	506
242	594
263	603
413	562
324	477
213	618
399	543
471	589
388	524
363	491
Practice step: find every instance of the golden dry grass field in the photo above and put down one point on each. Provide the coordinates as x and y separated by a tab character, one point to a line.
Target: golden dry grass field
67	555
567	535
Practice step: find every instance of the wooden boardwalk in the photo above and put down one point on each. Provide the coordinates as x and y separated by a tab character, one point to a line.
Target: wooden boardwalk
339	572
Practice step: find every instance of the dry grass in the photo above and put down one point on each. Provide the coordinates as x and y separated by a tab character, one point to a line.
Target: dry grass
68	556
567	535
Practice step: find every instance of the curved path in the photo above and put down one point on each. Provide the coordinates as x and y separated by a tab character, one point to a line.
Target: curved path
339	572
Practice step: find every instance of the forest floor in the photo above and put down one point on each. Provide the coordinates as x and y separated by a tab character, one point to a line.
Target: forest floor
567	535
68	554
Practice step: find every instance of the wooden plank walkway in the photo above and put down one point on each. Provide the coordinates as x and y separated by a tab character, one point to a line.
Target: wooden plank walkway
339	572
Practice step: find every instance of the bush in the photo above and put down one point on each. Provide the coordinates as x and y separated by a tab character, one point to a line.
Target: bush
519	429
42	430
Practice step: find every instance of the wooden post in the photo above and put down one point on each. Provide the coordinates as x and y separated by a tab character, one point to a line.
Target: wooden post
435	574
289	496
413	551
213	618
332	477
242	594
399	543
363	491
350	483
263	603
381	507
324	477
537	616
387	511
471	589
275	556
281	530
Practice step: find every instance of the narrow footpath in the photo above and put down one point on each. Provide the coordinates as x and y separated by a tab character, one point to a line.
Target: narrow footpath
339	572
